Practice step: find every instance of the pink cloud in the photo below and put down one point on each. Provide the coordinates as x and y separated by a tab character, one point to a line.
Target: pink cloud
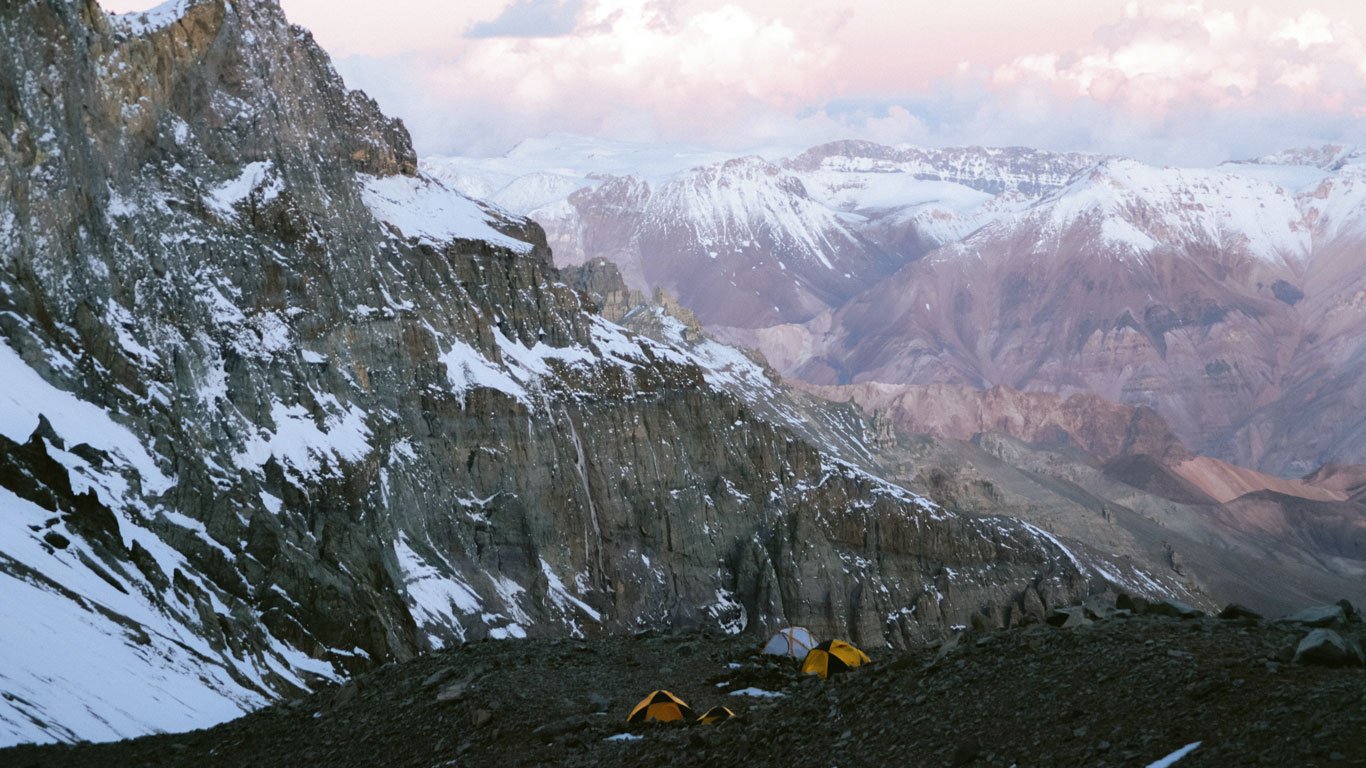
1161	57
1205	79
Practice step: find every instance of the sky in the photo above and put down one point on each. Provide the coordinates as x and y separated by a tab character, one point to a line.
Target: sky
1191	83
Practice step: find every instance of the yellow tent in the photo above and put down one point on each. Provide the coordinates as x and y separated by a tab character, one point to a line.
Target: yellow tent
833	657
715	715
660	706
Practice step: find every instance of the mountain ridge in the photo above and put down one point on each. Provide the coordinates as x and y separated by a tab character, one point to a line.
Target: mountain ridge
1219	297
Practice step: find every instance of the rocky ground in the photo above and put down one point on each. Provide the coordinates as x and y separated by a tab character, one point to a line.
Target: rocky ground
1109	688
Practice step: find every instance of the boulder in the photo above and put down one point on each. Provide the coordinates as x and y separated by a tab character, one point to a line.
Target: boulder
454	691
1176	609
572	724
981	624
1138	605
1236	611
1350	611
1319	616
1069	617
1327	648
1099	607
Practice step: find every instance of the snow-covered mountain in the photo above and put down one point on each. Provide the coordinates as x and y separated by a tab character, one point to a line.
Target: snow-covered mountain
1211	295
757	240
1217	296
279	407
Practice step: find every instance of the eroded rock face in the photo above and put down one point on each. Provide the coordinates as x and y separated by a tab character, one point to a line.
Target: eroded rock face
282	410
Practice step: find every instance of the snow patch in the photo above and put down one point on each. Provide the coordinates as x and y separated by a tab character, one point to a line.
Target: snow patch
467	368
259	177
437	597
758	693
152	19
299	443
1170	760
422	208
26	396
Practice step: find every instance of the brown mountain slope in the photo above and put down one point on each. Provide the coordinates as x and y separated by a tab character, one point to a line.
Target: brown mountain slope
1083	468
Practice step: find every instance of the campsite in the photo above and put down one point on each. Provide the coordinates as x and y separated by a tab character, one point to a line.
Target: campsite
1119	691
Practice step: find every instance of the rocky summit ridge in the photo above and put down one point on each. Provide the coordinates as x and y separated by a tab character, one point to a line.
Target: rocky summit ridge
279	409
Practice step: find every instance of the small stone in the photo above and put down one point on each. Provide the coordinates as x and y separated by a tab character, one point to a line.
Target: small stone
437	677
344	695
965	753
563	727
480	717
453	692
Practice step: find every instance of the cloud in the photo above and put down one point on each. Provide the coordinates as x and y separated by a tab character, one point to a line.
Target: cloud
530	18
1173	57
1165	82
629	69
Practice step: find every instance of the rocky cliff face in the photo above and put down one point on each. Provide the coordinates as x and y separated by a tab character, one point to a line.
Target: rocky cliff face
278	408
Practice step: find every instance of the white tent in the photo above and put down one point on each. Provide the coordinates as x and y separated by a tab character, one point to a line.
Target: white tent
793	642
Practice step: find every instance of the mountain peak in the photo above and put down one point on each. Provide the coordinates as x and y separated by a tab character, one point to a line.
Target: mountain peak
1327	157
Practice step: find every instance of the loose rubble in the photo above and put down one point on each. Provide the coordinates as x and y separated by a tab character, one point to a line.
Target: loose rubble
1128	686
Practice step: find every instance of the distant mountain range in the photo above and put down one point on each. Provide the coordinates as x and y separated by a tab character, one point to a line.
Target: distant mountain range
1231	300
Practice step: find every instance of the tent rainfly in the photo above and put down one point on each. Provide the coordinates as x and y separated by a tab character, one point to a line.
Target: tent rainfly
833	657
793	642
660	706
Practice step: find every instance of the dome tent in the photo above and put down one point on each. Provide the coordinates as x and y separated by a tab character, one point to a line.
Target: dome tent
660	706
793	642
833	657
716	714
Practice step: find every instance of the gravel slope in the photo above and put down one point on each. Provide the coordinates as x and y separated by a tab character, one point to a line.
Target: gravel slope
1117	692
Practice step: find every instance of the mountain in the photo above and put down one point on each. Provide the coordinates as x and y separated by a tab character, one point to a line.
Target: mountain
1214	297
1225	299
1118	479
280	407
